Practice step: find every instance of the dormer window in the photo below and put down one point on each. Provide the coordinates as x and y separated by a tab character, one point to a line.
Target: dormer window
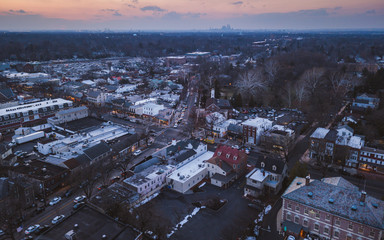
235	158
274	168
218	153
227	155
262	164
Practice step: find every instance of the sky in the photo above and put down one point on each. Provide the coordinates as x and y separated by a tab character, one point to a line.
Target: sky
133	15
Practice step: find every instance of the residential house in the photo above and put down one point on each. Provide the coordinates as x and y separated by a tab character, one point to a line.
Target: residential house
371	159
331	209
226	165
365	101
267	176
97	97
6	156
68	115
279	138
152	109
222	106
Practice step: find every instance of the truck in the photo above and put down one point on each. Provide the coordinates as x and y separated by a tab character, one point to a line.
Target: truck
209	140
29	137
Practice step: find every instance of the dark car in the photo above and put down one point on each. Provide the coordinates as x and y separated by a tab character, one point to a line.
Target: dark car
41	229
102	187
68	193
256	206
78	205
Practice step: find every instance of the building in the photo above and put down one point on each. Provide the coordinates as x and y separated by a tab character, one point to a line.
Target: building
97	97
222	106
336	145
254	128
6	156
190	174
152	109
68	115
331	208
365	101
126	88
371	159
46	176
278	139
149	180
28	114
266	177
226	165
89	223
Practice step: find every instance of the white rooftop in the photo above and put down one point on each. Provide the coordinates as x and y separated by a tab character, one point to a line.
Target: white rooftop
192	168
259	175
33	106
355	142
320	133
258	122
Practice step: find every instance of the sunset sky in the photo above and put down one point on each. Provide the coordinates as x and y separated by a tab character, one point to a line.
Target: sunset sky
21	15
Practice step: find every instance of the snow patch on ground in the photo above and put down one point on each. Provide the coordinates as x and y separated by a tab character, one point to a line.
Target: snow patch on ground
202	185
184	221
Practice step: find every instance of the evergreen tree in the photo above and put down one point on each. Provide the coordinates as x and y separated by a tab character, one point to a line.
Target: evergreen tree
251	102
217	90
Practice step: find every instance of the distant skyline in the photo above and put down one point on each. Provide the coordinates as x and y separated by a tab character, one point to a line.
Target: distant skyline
126	15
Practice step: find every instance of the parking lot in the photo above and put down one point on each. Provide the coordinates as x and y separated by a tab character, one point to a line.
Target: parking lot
229	222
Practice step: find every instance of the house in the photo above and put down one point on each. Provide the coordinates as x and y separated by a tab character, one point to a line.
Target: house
222	106
226	165
96	97
254	128
152	109
365	101
6	156
68	115
331	209
267	176
149	180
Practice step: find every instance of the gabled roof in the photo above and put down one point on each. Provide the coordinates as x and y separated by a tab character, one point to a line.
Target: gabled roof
187	154
230	155
269	162
331	135
345	202
320	133
221	103
83	159
223	165
71	163
97	150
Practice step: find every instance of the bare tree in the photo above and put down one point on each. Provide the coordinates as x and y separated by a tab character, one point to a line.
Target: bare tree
252	81
11	214
301	91
271	68
312	79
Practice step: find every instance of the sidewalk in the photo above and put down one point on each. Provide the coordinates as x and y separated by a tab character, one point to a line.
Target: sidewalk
278	220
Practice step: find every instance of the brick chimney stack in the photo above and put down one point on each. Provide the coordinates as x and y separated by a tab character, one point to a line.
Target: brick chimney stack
307	180
363	196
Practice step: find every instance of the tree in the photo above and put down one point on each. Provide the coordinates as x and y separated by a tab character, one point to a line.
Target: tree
298	170
251	82
11	214
312	79
217	90
271	68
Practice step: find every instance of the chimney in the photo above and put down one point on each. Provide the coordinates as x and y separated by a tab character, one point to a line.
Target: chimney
307	180
263	173
363	196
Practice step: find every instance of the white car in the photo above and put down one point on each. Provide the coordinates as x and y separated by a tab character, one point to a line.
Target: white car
55	201
247	151
175	126
57	219
79	199
236	146
137	152
31	229
290	237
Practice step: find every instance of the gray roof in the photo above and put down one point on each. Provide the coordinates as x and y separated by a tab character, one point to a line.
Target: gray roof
235	128
269	162
370	213
331	135
71	110
223	178
187	154
181	145
94	94
97	150
146	164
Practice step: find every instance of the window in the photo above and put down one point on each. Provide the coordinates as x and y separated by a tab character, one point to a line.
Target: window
372	233
289	206
337	222
317	227
361	229
234	166
227	155
305	222
317	215
326	230
274	168
218	153
327	217
289	217
336	234
350	226
306	211
297	219
235	158
262	164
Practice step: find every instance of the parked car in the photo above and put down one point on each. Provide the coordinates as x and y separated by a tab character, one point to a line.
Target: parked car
79	199
115	179
2	233
41	229
236	146
137	153
55	201
290	237
57	219
247	151
78	205
32	229
68	193
255	206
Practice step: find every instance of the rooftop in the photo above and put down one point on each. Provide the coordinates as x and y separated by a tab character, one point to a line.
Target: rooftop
371	212
34	106
258	175
148	174
258	122
192	168
39	169
320	133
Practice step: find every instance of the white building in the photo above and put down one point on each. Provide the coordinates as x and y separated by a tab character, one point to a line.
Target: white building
149	180
152	109
253	128
69	115
97	97
192	173
126	88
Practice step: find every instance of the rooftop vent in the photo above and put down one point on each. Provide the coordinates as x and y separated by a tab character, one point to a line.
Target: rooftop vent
310	194
298	183
375	205
331	200
354	207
